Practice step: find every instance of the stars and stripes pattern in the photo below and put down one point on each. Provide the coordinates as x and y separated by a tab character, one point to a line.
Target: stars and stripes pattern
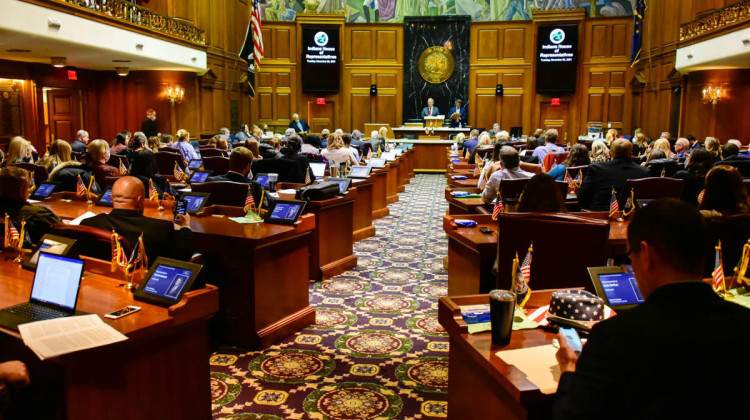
249	200
257	30
478	168
526	265
569	179
718	273
307	176
12	237
123	170
80	187
499	207
521	277
137	259
700	196
614	206
153	193
178	173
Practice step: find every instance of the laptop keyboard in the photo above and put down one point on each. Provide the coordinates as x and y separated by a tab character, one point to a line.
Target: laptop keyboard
36	312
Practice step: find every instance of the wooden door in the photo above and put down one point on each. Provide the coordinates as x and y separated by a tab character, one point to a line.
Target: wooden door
555	116
64	107
321	116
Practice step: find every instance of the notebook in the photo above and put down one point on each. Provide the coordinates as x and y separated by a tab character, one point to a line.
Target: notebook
54	292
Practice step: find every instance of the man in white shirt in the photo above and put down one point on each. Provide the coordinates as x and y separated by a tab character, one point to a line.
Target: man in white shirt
430	110
507	169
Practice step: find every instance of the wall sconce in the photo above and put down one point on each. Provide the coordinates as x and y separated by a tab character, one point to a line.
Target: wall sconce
712	94
175	93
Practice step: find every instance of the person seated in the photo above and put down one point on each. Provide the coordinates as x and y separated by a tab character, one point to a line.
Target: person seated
154	144
541	195
213	141
225	134
166	141
160	237
187	151
490	165
81	141
139	142
121	143
506	169
376	142
725	192
527	154
550	138
485	142
242	135
348	143
681	147
357	139
59	152
311	144
471	144
578	156
299	125
694	143
663	145
599	152
730	153
270	149
640	143
651	361
463	115
14	195
430	110
658	163
611	136
240	162
712	145
501	136
495	129
337	153
699	162
97	155
595	192
324	133
143	166
292	152
20	150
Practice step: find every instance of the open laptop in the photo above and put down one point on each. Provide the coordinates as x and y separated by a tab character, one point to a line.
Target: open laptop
318	169
617	286
54	292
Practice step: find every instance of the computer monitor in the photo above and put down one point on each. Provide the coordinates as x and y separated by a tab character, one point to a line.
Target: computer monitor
167	281
617	286
318	169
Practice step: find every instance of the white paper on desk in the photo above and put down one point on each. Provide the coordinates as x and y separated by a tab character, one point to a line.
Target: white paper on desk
289	191
55	337
537	363
77	221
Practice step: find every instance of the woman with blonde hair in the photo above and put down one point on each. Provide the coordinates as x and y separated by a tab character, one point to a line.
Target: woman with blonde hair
59	152
153	144
19	151
641	144
663	145
611	136
712	145
459	139
485	142
599	152
97	155
187	151
337	152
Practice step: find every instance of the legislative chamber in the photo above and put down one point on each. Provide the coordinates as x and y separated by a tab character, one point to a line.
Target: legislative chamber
381	210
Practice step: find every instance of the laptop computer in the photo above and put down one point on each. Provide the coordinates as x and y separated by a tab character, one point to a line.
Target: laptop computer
54	292
318	169
617	286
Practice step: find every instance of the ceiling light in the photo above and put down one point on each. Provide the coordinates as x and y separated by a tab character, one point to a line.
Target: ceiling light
122	71
58	61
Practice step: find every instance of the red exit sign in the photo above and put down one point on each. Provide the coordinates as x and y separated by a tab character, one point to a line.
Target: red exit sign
72	75
555	102
320	101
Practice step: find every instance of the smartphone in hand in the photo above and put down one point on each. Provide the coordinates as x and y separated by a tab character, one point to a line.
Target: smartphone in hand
572	338
180	207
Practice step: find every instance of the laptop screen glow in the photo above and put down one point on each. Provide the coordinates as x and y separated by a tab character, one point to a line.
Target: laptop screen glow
621	289
57	280
318	169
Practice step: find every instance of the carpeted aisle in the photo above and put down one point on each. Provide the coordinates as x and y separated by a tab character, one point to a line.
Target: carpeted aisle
376	350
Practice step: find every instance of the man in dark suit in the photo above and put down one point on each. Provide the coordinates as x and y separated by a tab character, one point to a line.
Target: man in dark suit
149	125
461	121
671	356
730	152
596	189
240	161
430	110
299	126
160	237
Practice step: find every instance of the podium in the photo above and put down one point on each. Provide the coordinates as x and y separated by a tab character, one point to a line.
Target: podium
434	122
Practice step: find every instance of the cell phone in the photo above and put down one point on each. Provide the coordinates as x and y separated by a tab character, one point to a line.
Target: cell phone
122	312
180	207
574	341
485	229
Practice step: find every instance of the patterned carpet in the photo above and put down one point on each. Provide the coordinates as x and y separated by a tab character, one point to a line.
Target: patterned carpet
376	350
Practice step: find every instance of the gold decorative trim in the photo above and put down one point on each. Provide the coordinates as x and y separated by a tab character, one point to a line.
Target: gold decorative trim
719	19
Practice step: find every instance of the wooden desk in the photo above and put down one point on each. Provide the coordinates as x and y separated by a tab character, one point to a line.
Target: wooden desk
263	287
472	253
363	208
481	385
410	162
463	205
161	371
463	183
429	155
380	193
403	173
392	182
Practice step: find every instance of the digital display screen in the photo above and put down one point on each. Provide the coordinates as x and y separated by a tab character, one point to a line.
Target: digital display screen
167	281
376	163
199	177
621	289
320	60
284	211
57	280
342	184
49	246
318	169
107	197
557	59
194	202
195	164
263	180
359	172
44	190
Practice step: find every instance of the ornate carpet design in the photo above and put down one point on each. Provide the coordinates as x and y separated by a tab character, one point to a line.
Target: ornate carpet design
376	350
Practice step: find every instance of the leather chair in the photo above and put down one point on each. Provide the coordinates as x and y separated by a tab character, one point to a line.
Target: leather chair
213	151
560	157
114	161
314	157
668	166
218	164
511	189
169	149
90	241
564	246
223	193
289	171
573	171
165	162
734	232
481	153
651	188
563	188
743	166
40	172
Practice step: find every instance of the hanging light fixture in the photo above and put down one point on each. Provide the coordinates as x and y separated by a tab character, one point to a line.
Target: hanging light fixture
175	93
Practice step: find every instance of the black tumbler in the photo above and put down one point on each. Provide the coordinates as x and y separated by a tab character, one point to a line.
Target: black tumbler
502	307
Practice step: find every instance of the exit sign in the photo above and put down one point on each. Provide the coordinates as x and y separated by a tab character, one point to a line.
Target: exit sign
555	102
72	75
320	101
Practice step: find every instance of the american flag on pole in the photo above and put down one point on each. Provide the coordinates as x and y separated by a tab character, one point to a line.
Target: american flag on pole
569	179
522	275
718	273
614	206
178	173
12	237
249	200
123	170
252	49
80	187
579	179
700	196
153	193
526	265
499	207
307	176
478	168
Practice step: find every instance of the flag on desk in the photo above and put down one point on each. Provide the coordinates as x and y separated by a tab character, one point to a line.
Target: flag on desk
521	277
700	196
32	185
718	273
12	237
499	207
249	200
614	206
178	173
123	170
307	176
153	193
252	49
80	187
569	179
638	14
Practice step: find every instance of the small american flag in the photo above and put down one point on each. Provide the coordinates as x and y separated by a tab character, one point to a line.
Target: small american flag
700	196
13	235
526	265
249	200
478	168
579	178
123	170
569	179
718	273
178	173
307	176
80	187
499	207
153	193
663	173
614	206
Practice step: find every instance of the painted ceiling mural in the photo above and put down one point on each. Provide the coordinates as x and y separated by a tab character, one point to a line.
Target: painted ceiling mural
393	11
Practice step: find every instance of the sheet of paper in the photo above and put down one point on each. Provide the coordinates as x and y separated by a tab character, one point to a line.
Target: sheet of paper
740	296
79	219
290	191
245	220
55	337
537	363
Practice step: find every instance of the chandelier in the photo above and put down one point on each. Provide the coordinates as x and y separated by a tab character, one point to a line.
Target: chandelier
175	93
712	94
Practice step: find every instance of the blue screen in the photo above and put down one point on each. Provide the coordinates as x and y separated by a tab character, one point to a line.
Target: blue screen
167	281
263	180
621	289
57	280
107	197
44	190
195	164
342	185
194	202
199	177
285	211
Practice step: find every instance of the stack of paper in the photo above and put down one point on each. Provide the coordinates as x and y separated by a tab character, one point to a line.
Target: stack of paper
55	337
537	363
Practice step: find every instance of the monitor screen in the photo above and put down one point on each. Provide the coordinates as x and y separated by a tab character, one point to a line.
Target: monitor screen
194	202
284	211
318	169
388	156
57	280
359	172
621	289
107	197
195	164
167	281
49	246
44	190
376	163
199	177
557	59
263	180
343	184
320	60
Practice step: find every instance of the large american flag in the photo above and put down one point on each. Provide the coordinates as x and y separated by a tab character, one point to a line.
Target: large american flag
252	49
257	35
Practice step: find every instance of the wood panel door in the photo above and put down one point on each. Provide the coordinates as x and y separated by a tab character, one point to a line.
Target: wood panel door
321	116
64	107
556	116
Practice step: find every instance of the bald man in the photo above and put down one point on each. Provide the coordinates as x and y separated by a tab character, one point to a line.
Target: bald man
299	125
162	238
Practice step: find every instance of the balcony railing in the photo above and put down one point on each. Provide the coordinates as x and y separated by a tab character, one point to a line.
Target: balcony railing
725	17
141	16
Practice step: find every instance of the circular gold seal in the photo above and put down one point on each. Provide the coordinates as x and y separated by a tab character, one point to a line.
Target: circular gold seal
436	64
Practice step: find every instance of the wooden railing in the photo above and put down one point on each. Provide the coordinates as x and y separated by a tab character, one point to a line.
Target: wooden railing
725	17
130	12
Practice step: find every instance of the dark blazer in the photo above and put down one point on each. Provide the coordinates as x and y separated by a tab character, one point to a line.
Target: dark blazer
149	127
296	126
38	219
741	163
303	163
692	185
78	146
426	111
464	117
160	183
670	357
159	236
241	179
596	189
